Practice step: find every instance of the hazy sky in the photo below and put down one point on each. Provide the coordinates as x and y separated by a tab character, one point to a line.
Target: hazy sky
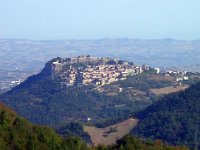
93	19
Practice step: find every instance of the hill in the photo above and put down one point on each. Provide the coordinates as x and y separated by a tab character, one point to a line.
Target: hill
16	133
22	58
175	118
100	90
78	89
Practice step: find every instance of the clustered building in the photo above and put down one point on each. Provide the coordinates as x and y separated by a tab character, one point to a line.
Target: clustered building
98	71
179	76
106	74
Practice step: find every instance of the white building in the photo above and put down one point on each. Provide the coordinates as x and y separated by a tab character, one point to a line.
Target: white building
157	70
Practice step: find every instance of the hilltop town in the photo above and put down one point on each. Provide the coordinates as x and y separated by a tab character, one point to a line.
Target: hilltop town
85	70
96	71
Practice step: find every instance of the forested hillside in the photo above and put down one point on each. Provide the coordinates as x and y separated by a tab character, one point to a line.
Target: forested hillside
42	100
175	118
16	133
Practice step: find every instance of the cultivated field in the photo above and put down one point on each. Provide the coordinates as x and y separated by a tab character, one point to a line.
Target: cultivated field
110	134
169	89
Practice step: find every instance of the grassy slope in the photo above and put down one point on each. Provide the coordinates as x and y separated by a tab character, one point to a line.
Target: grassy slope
110	134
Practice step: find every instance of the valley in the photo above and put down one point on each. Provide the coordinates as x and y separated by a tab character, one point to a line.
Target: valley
10	79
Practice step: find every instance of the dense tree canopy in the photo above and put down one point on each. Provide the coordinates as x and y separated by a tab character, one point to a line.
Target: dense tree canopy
16	133
175	118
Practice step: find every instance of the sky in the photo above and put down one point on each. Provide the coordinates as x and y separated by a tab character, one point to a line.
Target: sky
97	19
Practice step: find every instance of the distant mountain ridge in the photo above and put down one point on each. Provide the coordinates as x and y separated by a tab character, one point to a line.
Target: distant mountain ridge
26	54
